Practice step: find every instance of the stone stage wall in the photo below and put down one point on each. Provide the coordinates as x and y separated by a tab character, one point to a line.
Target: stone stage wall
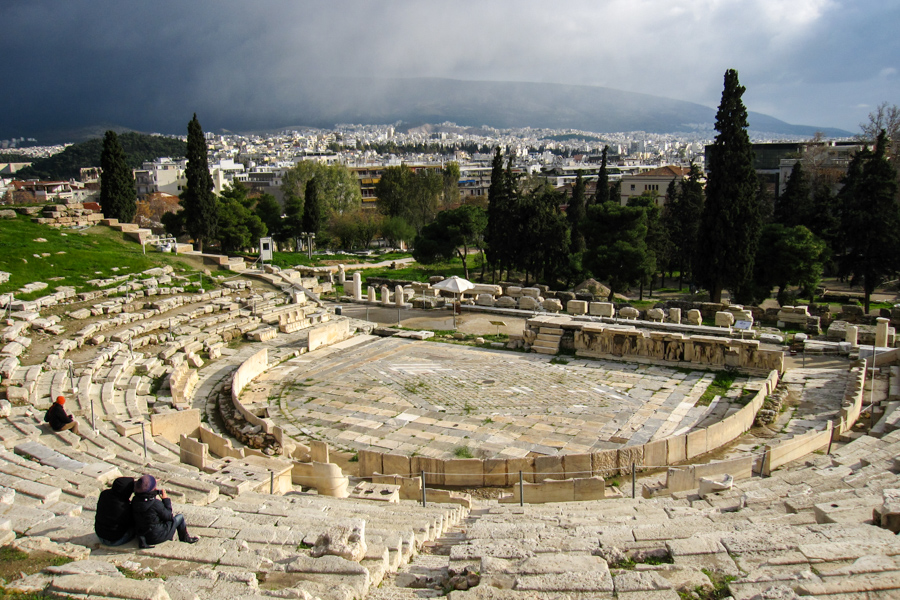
599	340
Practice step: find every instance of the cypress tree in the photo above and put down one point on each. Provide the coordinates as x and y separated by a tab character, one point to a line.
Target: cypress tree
871	218
792	208
575	214
730	224
495	209
197	199
312	207
118	198
601	195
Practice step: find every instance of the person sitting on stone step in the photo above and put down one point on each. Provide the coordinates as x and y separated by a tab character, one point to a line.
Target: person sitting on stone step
59	419
153	518
114	521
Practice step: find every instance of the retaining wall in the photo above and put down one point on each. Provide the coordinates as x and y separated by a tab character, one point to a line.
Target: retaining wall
794	448
504	472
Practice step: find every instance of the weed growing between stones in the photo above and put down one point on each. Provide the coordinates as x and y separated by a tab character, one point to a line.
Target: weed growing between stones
558	361
142	574
462	452
14	563
354	458
717	591
718	387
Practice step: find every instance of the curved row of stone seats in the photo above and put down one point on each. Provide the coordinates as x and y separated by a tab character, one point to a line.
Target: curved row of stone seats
251	537
809	529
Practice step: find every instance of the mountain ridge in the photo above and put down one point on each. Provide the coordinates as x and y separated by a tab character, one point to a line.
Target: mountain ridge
326	101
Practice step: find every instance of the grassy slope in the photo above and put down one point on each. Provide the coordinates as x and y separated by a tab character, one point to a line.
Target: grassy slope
74	256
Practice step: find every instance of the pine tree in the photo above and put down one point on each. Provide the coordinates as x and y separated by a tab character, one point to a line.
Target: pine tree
197	199
312	207
871	218
730	224
118	198
575	214
601	195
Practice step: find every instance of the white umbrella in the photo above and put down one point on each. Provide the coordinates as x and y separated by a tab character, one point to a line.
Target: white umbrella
457	285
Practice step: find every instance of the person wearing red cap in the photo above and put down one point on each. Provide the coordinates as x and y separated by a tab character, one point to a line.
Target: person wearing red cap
153	518
58	419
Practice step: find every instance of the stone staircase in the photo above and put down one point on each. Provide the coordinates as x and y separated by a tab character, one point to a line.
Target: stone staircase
547	341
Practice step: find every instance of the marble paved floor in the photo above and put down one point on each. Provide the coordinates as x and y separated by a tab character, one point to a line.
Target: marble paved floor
407	396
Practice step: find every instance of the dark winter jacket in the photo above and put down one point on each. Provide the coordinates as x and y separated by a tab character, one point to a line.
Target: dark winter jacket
114	514
153	518
57	417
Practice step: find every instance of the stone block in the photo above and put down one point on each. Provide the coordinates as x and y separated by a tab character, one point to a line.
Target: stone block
605	463
506	302
656	314
676	449
694	317
710	486
656	454
629	312
495	472
484	300
724	319
577	466
529	303
464	472
603	309
696	443
675	315
552	305
395	464
347	541
628	456
548	467
589	488
577	307
433	468
370	462
523	465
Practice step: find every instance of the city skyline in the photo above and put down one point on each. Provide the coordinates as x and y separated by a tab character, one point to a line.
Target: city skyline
825	63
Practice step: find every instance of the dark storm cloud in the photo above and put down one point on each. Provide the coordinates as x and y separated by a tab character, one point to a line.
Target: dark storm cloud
149	65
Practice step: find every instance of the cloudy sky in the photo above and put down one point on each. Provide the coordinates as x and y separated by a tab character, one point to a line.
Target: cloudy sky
812	62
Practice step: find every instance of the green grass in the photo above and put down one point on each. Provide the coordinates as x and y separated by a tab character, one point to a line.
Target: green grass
718	387
463	452
291	259
74	257
417	272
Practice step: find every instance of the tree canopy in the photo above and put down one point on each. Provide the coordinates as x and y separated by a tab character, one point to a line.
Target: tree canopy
200	217
117	194
453	232
138	148
870	224
337	187
730	221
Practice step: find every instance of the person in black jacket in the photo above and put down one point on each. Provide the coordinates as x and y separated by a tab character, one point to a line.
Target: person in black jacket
114	521
58	419
153	518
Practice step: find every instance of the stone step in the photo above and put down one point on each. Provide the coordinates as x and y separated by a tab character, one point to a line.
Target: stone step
541	350
555	331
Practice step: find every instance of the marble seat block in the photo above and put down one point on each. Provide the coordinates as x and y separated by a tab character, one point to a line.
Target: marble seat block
577	307
602	309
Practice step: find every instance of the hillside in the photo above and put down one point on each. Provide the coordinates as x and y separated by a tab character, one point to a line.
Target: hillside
327	101
31	252
138	148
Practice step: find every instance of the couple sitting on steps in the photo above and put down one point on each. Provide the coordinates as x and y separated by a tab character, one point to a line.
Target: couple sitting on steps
119	518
